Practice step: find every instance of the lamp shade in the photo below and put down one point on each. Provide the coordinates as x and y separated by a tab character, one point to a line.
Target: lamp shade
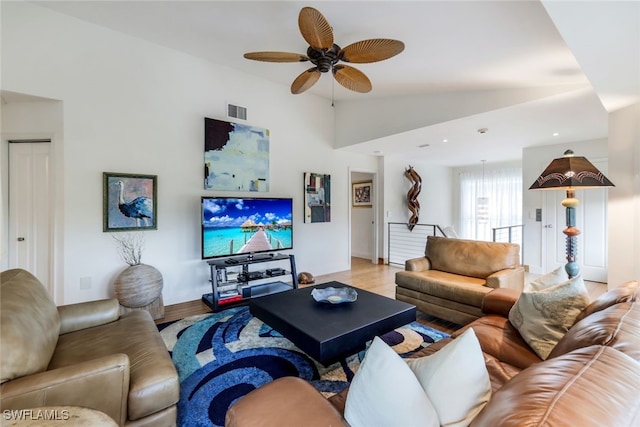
568	172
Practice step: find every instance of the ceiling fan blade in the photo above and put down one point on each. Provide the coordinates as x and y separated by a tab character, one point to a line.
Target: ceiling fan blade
305	80
276	56
352	78
315	28
371	50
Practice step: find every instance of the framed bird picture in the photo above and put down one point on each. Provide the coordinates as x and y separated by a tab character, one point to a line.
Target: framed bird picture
129	202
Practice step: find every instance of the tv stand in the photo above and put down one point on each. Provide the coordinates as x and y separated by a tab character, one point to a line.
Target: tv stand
234	283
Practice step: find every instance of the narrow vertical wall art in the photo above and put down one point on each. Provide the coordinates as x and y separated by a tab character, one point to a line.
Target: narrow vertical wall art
412	196
317	197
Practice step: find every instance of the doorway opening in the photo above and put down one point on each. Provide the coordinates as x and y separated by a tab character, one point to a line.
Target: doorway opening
363	217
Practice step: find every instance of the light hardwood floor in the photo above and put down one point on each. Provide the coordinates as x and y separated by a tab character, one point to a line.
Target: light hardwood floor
375	278
363	274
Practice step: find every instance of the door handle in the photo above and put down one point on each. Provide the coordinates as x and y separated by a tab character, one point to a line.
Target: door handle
548	226
20	239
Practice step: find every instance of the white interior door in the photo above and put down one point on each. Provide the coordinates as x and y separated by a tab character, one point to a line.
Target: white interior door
591	220
30	216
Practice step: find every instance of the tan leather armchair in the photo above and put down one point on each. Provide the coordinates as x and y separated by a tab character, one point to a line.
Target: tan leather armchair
84	355
452	279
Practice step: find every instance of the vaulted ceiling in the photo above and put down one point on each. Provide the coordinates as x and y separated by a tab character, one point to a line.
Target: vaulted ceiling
523	69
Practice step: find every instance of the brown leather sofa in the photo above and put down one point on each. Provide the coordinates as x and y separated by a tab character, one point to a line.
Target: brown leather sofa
591	378
84	355
453	277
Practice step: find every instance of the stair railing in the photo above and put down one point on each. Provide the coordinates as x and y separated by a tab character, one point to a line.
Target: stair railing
404	244
510	234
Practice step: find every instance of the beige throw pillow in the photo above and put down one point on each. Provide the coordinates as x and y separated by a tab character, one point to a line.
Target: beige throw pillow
455	379
547	308
556	277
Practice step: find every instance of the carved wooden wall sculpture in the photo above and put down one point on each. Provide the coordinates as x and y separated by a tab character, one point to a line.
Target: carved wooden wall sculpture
412	196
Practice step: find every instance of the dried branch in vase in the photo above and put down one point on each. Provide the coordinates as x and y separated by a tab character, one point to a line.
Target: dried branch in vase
129	247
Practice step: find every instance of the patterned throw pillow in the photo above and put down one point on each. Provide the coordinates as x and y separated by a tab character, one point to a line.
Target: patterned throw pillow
547	308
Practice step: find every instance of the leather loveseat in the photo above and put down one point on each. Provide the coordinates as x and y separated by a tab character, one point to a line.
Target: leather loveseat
590	379
82	355
453	277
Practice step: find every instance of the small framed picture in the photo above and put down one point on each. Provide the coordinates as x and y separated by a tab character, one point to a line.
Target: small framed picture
361	194
129	202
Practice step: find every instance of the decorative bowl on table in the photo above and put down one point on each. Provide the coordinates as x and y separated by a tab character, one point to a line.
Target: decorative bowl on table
333	295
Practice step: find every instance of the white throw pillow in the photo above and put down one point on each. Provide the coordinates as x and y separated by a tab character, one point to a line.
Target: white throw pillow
450	232
455	379
547	308
385	393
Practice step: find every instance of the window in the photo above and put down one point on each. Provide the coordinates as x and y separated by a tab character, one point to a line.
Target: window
503	189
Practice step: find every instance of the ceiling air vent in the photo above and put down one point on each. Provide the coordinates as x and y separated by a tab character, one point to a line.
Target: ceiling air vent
236	112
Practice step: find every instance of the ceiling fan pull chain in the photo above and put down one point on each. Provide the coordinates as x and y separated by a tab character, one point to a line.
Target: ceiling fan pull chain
333	91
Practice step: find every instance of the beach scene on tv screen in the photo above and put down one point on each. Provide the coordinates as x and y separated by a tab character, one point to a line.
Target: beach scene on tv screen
237	226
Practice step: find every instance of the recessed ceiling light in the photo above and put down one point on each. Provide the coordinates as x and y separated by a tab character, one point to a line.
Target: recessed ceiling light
378	152
556	134
445	140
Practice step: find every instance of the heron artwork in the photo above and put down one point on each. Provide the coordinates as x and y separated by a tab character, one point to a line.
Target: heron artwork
140	208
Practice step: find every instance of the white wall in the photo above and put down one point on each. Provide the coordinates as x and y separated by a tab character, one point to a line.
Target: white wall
134	107
435	196
624	198
534	161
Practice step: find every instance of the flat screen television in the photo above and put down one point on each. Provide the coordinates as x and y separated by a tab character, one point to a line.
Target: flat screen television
236	226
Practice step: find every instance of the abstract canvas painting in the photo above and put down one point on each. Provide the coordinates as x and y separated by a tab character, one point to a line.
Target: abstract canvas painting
317	197
236	156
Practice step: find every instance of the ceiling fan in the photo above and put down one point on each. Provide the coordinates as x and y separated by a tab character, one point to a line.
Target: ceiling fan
327	56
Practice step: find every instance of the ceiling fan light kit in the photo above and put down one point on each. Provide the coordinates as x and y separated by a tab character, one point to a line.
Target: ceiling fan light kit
326	56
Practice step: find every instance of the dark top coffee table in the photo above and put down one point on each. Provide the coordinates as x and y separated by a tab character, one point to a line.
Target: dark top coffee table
330	332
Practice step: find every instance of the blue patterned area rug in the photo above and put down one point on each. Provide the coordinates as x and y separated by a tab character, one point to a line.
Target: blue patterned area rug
222	356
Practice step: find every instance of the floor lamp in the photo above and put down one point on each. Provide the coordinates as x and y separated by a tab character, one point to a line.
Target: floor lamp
567	173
